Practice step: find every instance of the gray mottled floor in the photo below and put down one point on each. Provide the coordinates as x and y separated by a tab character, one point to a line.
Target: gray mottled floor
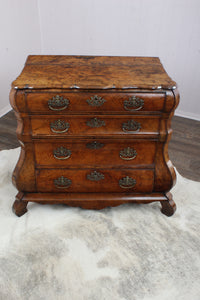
132	252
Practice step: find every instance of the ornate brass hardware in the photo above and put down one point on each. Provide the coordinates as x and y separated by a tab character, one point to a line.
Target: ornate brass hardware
133	103
95	123
96	101
131	126
61	153
59	126
94	145
128	153
62	182
95	176
58	103
127	182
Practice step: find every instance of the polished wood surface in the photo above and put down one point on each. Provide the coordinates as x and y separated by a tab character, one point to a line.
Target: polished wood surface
93	72
88	200
183	152
95	153
106	126
139	120
20	205
81	102
108	183
168	206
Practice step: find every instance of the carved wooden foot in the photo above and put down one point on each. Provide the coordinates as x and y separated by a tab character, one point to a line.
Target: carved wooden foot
19	206
168	206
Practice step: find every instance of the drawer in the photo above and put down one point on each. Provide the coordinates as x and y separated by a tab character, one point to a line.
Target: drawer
94	180
92	153
94	125
77	102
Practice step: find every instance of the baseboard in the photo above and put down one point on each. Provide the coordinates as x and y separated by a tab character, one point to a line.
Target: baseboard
188	115
5	110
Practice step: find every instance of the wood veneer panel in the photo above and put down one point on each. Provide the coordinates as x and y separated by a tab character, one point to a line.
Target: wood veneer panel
80	182
89	72
96	152
109	125
112	102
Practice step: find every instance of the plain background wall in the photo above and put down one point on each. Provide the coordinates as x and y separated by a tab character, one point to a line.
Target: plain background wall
169	29
19	36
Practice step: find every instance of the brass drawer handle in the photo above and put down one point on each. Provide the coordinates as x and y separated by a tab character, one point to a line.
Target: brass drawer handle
95	123
94	145
128	153
133	103
61	153
58	103
131	126
95	176
127	182
95	101
59	126
62	182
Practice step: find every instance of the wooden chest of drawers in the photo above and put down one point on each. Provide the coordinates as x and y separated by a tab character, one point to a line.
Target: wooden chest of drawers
94	131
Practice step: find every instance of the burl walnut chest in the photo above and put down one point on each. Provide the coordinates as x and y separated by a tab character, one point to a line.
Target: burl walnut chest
94	131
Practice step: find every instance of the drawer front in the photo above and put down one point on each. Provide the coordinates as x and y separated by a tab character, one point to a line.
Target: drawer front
65	103
92	153
94	125
94	180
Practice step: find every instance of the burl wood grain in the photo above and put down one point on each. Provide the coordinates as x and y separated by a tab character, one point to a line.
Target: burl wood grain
113	78
80	183
107	154
37	102
112	125
90	72
183	152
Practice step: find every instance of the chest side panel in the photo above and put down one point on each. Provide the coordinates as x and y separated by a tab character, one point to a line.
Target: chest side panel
24	172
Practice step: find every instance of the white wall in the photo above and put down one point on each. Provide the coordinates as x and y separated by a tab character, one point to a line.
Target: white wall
169	29
19	36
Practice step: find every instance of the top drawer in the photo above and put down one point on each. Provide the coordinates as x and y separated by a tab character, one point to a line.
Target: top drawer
67	102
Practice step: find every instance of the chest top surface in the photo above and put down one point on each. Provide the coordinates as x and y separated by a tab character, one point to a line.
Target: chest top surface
93	72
